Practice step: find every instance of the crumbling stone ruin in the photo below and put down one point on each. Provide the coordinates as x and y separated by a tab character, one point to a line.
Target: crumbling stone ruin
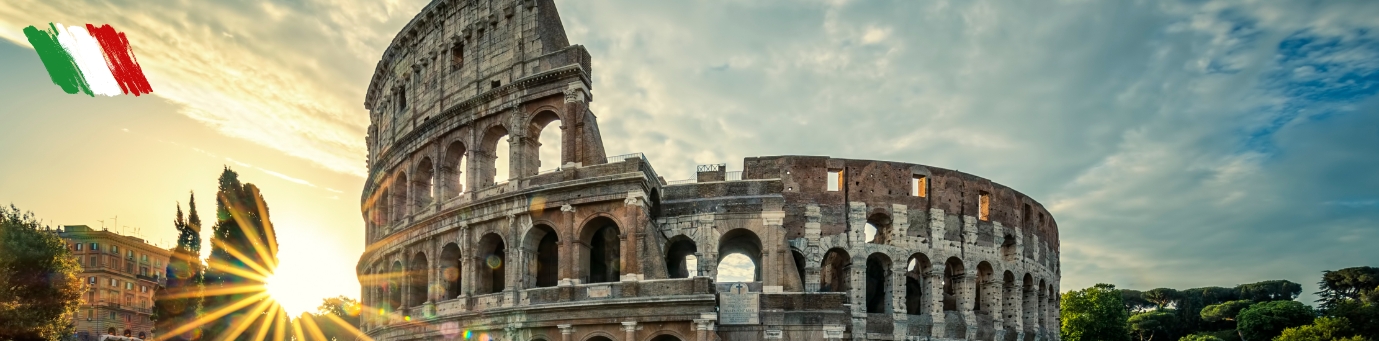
598	247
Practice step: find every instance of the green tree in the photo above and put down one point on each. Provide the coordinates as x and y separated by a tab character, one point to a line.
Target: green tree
178	302
1094	314
1134	300
1200	337
1264	321
337	318
1161	297
1357	283
39	287
1147	326
1323	329
1224	311
1363	317
1275	290
244	251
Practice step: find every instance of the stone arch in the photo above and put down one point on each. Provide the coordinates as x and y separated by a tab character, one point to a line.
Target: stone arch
833	272
395	286
666	335
953	276
383	205
424	176
542	247
535	127
1028	302
679	250
417	279
915	294
598	336
450	270
799	259
878	283
491	256
490	156
744	242
603	261
453	170
399	205
879	226
1041	297
988	294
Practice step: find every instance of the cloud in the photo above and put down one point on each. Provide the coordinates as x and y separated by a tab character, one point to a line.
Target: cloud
1178	144
289	76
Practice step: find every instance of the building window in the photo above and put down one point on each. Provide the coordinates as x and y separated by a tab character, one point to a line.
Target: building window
78	245
129	285
112	283
95	246
835	180
919	186
91	280
984	206
115	249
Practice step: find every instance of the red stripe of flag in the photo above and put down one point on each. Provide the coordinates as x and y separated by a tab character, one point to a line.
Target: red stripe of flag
120	58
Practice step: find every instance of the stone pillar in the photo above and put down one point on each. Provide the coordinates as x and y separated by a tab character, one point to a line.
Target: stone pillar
631	248
857	224
1031	312
568	256
967	300
899	313
565	331
811	251
857	292
934	279
993	295
630	328
704	326
1011	310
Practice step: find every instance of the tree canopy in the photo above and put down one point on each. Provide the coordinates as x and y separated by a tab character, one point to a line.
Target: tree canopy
1151	325
1264	321
39	287
1323	329
1094	314
244	251
1357	283
179	301
1224	311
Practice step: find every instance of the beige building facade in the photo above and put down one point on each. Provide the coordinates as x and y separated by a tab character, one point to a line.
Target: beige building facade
121	274
591	247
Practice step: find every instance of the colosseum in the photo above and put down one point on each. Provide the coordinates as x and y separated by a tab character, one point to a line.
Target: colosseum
472	236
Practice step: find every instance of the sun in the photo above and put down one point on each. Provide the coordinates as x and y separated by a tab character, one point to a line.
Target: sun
293	295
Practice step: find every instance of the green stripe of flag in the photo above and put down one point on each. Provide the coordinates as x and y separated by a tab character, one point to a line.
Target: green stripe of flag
61	67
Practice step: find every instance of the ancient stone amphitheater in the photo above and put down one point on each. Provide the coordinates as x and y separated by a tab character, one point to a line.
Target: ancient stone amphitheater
598	247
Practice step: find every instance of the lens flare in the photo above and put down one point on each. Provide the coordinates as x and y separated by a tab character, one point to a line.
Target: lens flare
493	261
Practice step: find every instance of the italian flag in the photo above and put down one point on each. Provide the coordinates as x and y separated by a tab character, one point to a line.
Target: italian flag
89	59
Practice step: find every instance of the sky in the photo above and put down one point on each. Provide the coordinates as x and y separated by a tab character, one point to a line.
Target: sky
1177	143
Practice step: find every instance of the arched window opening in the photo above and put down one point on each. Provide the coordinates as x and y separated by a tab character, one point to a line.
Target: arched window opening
742	242
953	276
399	200
833	272
452	170
798	257
736	267
547	148
395	287
599	338
383	203
604	262
878	228
543	246
495	158
915	271
1008	248
450	270
878	284
678	255
492	255
1028	302
666	338
417	279
986	291
421	185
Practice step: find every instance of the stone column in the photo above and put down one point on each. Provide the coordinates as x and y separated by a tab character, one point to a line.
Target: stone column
967	300
703	327
1031	312
994	295
934	279
565	331
857	292
899	313
811	252
630	328
631	248
567	247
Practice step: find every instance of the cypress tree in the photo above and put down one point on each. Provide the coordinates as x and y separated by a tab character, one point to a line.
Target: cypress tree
243	242
179	302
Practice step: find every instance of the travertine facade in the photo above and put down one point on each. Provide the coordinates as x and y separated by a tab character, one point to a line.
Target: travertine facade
597	248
